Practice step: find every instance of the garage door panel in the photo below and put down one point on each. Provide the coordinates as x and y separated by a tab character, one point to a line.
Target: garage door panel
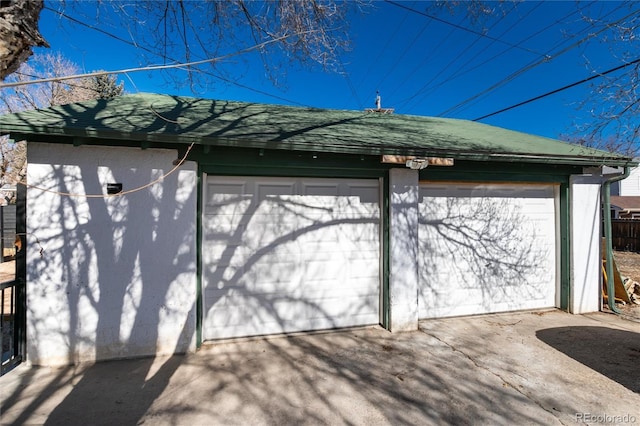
486	248
366	195
272	189
361	269
494	299
266	308
264	314
288	262
303	290
258	326
321	189
217	193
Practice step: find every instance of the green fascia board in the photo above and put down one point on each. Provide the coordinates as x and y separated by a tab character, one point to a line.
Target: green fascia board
164	119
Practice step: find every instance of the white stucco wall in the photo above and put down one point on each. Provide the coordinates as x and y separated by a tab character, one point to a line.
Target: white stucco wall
109	277
585	293
403	253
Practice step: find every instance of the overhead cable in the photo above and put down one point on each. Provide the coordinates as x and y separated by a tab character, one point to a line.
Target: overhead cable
150	67
425	87
460	27
553	92
146	49
532	65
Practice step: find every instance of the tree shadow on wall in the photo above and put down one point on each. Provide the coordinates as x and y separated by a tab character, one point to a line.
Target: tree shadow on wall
481	249
273	256
277	381
123	263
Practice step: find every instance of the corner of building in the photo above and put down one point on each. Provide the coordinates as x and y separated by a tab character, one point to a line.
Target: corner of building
403	259
586	262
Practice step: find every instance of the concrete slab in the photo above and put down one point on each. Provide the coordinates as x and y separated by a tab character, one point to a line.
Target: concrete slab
525	368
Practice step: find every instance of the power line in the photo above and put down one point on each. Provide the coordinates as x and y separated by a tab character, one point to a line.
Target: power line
386	45
404	52
176	166
427	56
425	87
345	74
146	49
100	30
459	72
428	88
534	64
553	92
460	27
150	67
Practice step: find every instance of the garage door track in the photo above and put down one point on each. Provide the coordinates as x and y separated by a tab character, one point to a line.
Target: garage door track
525	368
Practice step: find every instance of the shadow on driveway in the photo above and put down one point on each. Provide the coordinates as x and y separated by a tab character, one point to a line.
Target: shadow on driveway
521	368
611	352
361	376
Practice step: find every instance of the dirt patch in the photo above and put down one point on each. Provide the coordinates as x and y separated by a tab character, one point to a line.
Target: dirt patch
629	266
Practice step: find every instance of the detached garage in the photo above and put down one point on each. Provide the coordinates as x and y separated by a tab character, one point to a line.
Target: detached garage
155	223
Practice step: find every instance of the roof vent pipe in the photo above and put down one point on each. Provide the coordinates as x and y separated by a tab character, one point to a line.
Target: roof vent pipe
378	107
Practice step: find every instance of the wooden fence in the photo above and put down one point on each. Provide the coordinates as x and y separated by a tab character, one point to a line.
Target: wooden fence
7	231
625	234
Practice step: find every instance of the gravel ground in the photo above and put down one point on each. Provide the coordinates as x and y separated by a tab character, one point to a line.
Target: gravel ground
628	263
629	266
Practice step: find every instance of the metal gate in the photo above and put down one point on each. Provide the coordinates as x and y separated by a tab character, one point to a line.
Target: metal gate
11	324
12	287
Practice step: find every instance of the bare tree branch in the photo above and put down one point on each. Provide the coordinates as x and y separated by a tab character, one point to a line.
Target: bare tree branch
310	33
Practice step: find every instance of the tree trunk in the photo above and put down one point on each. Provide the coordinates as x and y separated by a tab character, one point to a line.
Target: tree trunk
18	33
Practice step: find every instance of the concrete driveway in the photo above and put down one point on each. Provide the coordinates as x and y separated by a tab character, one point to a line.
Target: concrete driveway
524	368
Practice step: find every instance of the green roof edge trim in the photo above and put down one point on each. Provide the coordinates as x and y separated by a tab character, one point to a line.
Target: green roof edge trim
165	119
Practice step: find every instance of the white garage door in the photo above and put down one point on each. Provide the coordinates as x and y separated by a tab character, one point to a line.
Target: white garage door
289	254
486	248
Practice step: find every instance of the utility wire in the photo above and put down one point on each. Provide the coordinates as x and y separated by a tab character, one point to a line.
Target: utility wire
150	67
100	30
534	64
460	72
404	52
460	27
176	166
426	57
425	87
146	49
428	88
376	61
345	74
553	92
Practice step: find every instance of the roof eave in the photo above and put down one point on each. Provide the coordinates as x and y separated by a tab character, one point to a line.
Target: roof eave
81	136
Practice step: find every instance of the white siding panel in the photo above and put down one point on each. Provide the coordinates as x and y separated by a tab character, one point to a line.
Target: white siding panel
287	254
486	248
631	185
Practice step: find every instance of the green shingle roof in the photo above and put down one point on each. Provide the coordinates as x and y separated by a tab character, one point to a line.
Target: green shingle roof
171	119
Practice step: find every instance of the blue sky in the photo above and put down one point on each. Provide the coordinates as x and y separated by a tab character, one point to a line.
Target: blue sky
421	66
